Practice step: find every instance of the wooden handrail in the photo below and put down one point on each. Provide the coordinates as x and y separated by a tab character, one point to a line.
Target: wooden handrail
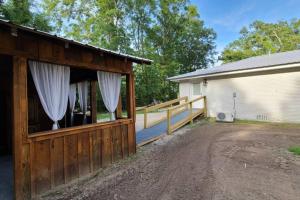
189	118
186	103
158	106
165	104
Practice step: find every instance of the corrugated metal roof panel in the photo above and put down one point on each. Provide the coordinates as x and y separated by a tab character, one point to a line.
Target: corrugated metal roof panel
33	30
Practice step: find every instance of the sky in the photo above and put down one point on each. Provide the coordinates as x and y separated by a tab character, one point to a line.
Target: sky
227	17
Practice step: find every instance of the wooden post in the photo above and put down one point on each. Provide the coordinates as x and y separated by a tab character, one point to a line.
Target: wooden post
205	106
94	101
22	173
130	96
169	115
119	108
145	118
191	112
186	100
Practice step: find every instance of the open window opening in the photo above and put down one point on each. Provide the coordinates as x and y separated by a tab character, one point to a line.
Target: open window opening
6	145
121	112
94	97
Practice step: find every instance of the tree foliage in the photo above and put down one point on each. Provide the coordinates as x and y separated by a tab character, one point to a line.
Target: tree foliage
19	12
263	38
170	32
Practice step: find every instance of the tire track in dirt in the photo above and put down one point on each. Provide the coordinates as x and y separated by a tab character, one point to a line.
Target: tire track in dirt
202	163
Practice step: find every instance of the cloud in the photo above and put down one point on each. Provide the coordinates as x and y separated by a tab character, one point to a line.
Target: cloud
236	18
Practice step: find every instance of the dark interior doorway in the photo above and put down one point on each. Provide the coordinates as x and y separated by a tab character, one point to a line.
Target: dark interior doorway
6	146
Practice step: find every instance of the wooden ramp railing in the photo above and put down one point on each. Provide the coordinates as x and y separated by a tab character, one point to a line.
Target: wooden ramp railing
166	104
173	111
193	113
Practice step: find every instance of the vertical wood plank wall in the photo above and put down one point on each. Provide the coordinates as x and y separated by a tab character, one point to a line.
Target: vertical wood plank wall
59	158
46	160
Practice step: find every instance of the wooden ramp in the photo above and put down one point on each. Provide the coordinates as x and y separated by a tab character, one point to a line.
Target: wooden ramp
176	117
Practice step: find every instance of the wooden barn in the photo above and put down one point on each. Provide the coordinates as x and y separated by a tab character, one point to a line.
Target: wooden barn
49	130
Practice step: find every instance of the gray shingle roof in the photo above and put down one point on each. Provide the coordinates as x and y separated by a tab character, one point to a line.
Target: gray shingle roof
265	61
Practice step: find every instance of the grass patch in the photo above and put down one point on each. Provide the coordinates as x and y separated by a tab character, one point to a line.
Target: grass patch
153	111
103	116
278	124
295	150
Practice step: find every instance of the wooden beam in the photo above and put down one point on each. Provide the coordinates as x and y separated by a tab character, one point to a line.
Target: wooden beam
94	101
130	96
119	108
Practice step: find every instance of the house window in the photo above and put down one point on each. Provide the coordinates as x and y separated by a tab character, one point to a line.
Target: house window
121	112
196	89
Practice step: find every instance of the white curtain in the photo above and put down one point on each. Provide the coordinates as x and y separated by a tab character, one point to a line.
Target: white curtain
110	85
83	97
52	83
72	100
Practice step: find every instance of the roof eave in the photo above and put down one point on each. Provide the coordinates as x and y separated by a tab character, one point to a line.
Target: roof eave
260	69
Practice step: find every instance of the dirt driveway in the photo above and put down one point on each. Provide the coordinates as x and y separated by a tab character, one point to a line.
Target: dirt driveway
211	161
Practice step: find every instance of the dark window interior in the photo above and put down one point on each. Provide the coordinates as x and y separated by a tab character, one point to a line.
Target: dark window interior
5	105
6	163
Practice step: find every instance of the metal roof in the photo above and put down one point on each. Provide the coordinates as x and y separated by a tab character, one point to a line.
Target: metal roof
54	36
257	62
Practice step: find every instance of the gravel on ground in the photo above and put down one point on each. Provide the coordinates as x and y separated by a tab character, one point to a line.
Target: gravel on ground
206	161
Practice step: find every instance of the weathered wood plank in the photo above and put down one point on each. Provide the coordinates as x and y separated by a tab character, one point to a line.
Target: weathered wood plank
83	154
57	161
42	166
106	147
131	139
117	143
71	157
97	151
125	140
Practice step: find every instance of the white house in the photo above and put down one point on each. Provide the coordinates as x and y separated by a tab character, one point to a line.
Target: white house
264	88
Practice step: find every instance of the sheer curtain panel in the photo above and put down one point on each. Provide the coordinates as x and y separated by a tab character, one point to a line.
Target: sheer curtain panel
83	89
110	85
52	83
72	101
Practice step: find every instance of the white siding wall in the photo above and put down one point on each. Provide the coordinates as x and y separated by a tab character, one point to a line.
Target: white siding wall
186	89
273	97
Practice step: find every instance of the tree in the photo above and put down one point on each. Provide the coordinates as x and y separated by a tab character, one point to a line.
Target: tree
182	43
170	32
101	23
263	38
19	12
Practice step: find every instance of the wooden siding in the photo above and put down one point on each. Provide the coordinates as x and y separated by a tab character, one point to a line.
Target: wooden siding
45	160
36	47
265	96
60	157
48	159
